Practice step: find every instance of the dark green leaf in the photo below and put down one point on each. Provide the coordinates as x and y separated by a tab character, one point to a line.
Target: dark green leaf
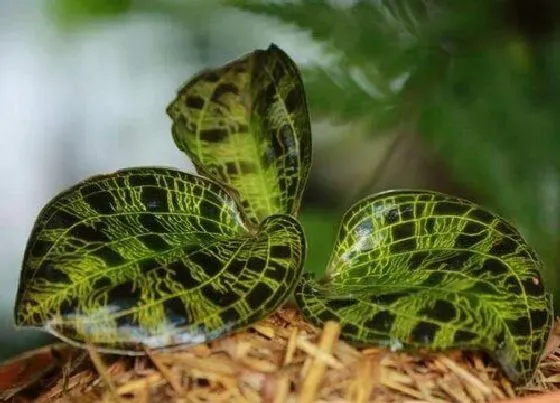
153	257
416	269
246	125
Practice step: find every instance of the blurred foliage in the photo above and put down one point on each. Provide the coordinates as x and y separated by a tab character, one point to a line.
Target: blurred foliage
480	83
70	13
320	227
373	47
478	80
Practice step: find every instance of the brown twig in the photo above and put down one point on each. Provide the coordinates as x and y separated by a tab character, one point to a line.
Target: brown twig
103	373
166	373
311	383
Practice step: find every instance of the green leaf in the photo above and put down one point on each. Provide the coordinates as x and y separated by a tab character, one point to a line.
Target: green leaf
372	50
70	13
365	32
320	227
417	269
246	125
153	257
514	130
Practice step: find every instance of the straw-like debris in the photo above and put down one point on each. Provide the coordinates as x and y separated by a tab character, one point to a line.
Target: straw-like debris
281	359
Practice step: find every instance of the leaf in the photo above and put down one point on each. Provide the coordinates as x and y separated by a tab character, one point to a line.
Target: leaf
417	269
153	257
363	31
68	13
370	46
514	130
462	58
246	125
320	228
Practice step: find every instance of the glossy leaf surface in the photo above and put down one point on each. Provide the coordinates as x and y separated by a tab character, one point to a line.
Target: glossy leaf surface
246	125
419	270
153	257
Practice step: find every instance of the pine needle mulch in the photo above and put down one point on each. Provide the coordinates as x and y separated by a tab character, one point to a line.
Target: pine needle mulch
282	359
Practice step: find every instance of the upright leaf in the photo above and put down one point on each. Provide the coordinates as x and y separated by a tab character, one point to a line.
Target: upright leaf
246	125
416	269
153	257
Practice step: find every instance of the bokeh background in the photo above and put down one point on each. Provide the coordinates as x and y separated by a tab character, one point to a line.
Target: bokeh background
460	97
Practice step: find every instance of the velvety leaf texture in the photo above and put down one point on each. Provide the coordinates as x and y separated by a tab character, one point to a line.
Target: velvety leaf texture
246	125
416	269
153	257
